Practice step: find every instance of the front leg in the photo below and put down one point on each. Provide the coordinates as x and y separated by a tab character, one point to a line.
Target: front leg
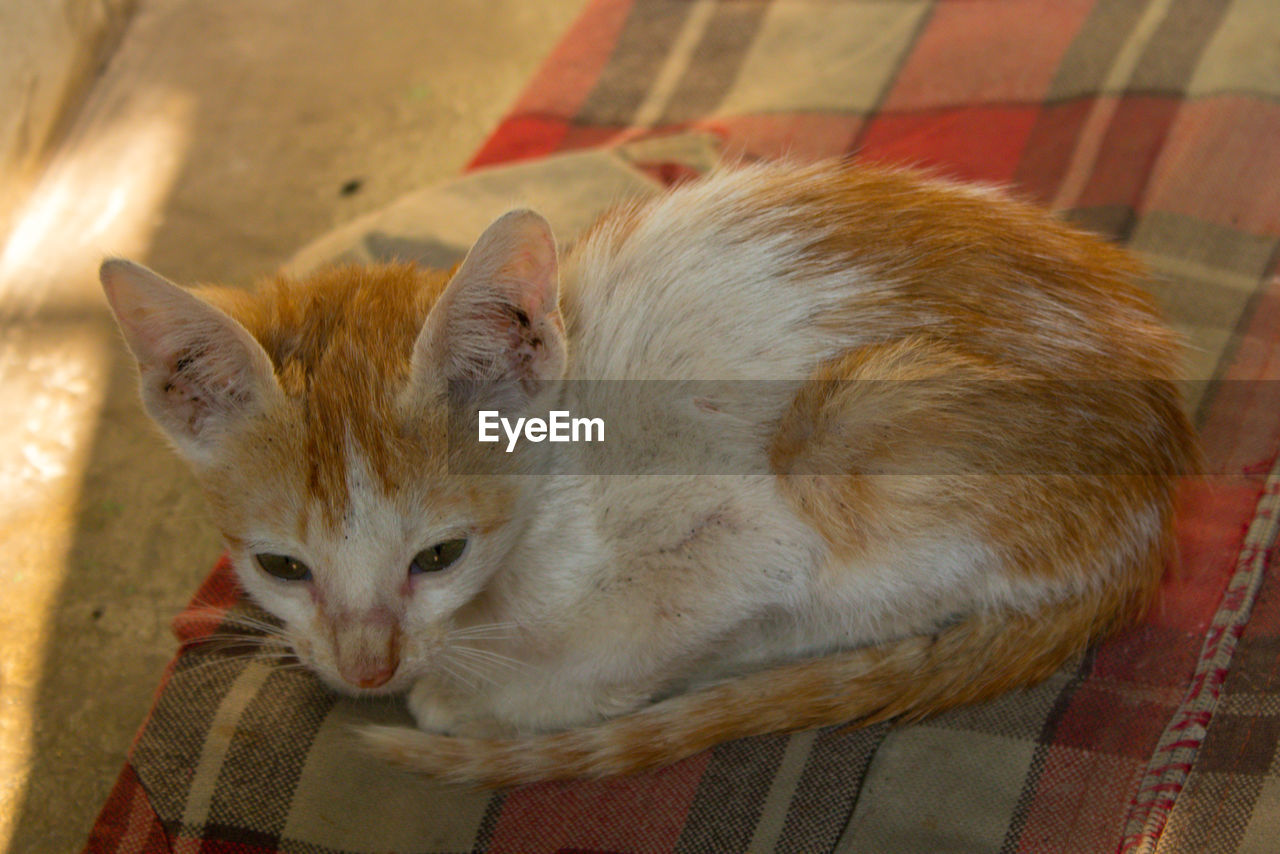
542	705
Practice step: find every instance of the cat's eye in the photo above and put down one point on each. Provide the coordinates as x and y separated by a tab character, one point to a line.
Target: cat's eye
283	567
440	556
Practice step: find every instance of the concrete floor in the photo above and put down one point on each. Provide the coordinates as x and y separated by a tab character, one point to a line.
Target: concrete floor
223	135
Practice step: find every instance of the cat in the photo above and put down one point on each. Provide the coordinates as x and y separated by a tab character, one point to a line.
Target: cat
951	465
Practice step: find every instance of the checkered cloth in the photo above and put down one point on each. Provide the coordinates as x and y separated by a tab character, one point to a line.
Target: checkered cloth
1154	121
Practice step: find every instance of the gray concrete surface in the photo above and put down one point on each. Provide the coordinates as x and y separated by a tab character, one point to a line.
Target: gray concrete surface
223	135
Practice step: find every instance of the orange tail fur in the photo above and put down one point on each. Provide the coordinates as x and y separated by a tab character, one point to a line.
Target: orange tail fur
975	659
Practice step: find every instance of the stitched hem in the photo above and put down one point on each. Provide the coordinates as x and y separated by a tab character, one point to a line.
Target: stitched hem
1171	762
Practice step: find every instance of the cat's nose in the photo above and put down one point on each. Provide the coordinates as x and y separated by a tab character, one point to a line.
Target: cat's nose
368	671
366	652
376	677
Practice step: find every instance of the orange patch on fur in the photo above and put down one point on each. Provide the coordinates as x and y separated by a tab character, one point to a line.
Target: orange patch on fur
341	343
1023	371
618	223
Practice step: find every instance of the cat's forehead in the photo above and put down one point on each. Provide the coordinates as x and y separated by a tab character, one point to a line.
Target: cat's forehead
340	322
341	343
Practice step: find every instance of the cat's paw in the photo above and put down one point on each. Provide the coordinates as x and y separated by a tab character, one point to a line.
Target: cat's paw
445	712
434	709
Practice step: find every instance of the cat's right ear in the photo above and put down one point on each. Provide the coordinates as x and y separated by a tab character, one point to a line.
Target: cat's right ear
201	372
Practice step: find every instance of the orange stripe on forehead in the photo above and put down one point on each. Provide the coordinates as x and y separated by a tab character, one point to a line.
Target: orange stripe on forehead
341	343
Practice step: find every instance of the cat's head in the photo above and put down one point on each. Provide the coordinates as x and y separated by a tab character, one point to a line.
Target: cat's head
316	415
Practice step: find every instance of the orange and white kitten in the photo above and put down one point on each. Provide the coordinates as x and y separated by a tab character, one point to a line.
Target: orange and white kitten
960	471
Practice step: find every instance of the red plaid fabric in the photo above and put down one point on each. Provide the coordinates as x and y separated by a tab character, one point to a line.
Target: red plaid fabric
1154	121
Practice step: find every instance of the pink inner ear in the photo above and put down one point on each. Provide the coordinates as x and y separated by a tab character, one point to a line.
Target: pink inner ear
199	367
160	337
534	274
156	317
533	269
165	337
499	317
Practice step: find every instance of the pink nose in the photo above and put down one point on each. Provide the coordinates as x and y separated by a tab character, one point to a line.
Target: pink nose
374	676
367	650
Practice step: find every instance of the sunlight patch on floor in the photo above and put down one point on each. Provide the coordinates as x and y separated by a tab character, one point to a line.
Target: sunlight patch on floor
100	196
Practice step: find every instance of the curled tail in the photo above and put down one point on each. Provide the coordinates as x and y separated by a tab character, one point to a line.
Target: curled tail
916	677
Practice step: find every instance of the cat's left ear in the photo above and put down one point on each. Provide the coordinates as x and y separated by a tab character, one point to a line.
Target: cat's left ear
498	321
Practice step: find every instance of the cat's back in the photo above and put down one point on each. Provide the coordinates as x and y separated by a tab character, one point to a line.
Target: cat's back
764	272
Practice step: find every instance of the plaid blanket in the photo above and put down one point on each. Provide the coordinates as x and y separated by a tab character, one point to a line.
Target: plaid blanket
1154	121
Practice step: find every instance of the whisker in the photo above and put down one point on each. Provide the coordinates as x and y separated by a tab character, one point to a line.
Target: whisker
199	667
256	639
278	659
216	643
446	666
473	670
487	656
486	630
217	617
292	666
251	621
491	653
229	650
